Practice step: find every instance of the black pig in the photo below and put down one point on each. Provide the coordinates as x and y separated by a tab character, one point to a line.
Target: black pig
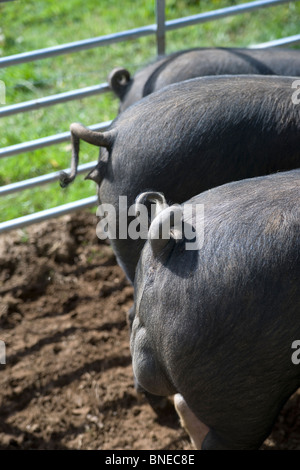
215	325
199	62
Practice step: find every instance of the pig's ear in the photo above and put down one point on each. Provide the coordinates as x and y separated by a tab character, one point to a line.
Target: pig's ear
118	80
78	131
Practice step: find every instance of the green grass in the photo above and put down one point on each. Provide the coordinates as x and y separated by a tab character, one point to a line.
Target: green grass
33	25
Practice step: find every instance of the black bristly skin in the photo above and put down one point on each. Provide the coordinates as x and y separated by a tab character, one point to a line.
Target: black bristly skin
217	324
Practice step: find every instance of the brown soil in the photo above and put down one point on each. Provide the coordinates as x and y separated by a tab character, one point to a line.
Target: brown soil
67	382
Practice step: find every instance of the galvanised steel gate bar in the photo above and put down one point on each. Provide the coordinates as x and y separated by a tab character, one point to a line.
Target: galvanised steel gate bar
48	214
76	46
279	42
54	99
39	180
45	141
160	27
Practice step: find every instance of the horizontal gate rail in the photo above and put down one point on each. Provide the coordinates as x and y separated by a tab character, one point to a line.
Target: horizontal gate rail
279	42
45	141
221	13
41	216
43	179
54	99
77	46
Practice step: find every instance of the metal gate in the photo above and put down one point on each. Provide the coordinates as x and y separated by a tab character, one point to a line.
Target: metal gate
159	29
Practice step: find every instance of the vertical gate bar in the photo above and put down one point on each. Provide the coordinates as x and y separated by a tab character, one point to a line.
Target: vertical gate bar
160	27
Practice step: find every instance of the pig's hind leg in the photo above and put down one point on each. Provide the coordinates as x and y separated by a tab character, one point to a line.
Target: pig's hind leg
193	426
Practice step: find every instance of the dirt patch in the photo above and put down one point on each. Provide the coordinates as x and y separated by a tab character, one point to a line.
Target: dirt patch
67	382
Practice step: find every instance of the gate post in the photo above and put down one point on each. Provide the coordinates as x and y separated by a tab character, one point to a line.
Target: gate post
160	27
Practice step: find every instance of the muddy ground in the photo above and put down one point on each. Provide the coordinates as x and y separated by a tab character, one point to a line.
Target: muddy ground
67	382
